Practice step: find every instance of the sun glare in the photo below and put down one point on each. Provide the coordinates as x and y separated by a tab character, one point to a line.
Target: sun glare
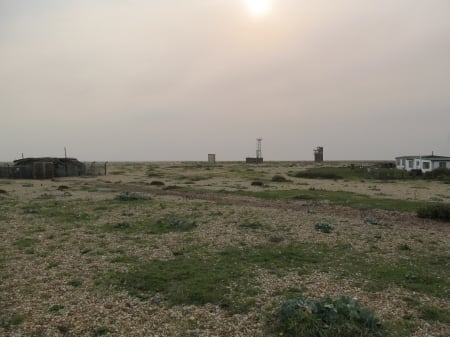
258	7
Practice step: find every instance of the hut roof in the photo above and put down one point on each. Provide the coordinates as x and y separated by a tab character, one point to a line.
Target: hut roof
55	161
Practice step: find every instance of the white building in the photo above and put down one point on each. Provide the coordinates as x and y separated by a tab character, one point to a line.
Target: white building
422	163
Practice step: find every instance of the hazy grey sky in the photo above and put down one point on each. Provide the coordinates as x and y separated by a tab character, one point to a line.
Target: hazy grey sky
178	79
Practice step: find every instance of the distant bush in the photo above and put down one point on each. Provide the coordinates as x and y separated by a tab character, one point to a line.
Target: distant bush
279	178
172	187
157	183
324	227
303	197
441	174
257	183
131	197
304	317
373	221
439	211
181	225
317	175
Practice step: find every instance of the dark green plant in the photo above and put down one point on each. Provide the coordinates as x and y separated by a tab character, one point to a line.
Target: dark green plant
304	317
432	313
257	183
75	283
317	175
324	227
181	225
157	183
279	178
101	331
439	211
404	246
56	308
440	174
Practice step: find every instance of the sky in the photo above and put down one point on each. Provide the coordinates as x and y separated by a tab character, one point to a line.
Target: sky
153	80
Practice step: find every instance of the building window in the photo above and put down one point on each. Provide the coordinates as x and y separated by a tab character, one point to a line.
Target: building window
398	162
442	164
410	163
426	165
417	163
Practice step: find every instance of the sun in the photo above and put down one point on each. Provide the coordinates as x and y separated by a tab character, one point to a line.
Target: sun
258	7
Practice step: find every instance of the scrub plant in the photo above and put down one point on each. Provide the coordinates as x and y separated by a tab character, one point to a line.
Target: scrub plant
326	317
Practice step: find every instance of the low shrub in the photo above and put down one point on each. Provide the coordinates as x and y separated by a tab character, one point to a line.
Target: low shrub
373	221
56	308
441	174
324	227
279	179
304	317
317	175
131	197
257	183
438	211
181	225
157	183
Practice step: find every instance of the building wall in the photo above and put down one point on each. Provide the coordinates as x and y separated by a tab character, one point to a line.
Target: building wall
251	160
417	163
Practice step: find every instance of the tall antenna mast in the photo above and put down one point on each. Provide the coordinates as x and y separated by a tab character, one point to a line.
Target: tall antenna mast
258	148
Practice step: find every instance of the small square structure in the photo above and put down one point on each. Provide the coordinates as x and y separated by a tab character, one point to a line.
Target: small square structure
211	158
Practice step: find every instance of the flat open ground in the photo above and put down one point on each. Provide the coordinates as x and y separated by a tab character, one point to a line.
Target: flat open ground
207	253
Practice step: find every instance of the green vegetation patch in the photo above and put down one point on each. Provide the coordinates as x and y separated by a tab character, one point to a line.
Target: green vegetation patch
354	200
432	313
25	243
439	211
227	278
353	172
160	226
279	179
61	212
55	308
324	227
343	317
15	319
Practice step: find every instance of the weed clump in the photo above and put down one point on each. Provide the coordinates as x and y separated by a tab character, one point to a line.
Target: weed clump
326	318
55	308
257	183
439	211
373	221
439	174
324	227
157	183
181	225
404	246
279	179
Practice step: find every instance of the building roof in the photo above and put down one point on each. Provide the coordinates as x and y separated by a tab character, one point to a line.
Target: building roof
55	161
427	157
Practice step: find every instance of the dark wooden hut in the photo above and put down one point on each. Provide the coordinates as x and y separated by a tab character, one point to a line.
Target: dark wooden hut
44	168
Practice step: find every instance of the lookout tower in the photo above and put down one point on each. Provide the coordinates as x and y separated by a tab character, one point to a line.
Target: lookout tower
318	154
258	148
259	159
